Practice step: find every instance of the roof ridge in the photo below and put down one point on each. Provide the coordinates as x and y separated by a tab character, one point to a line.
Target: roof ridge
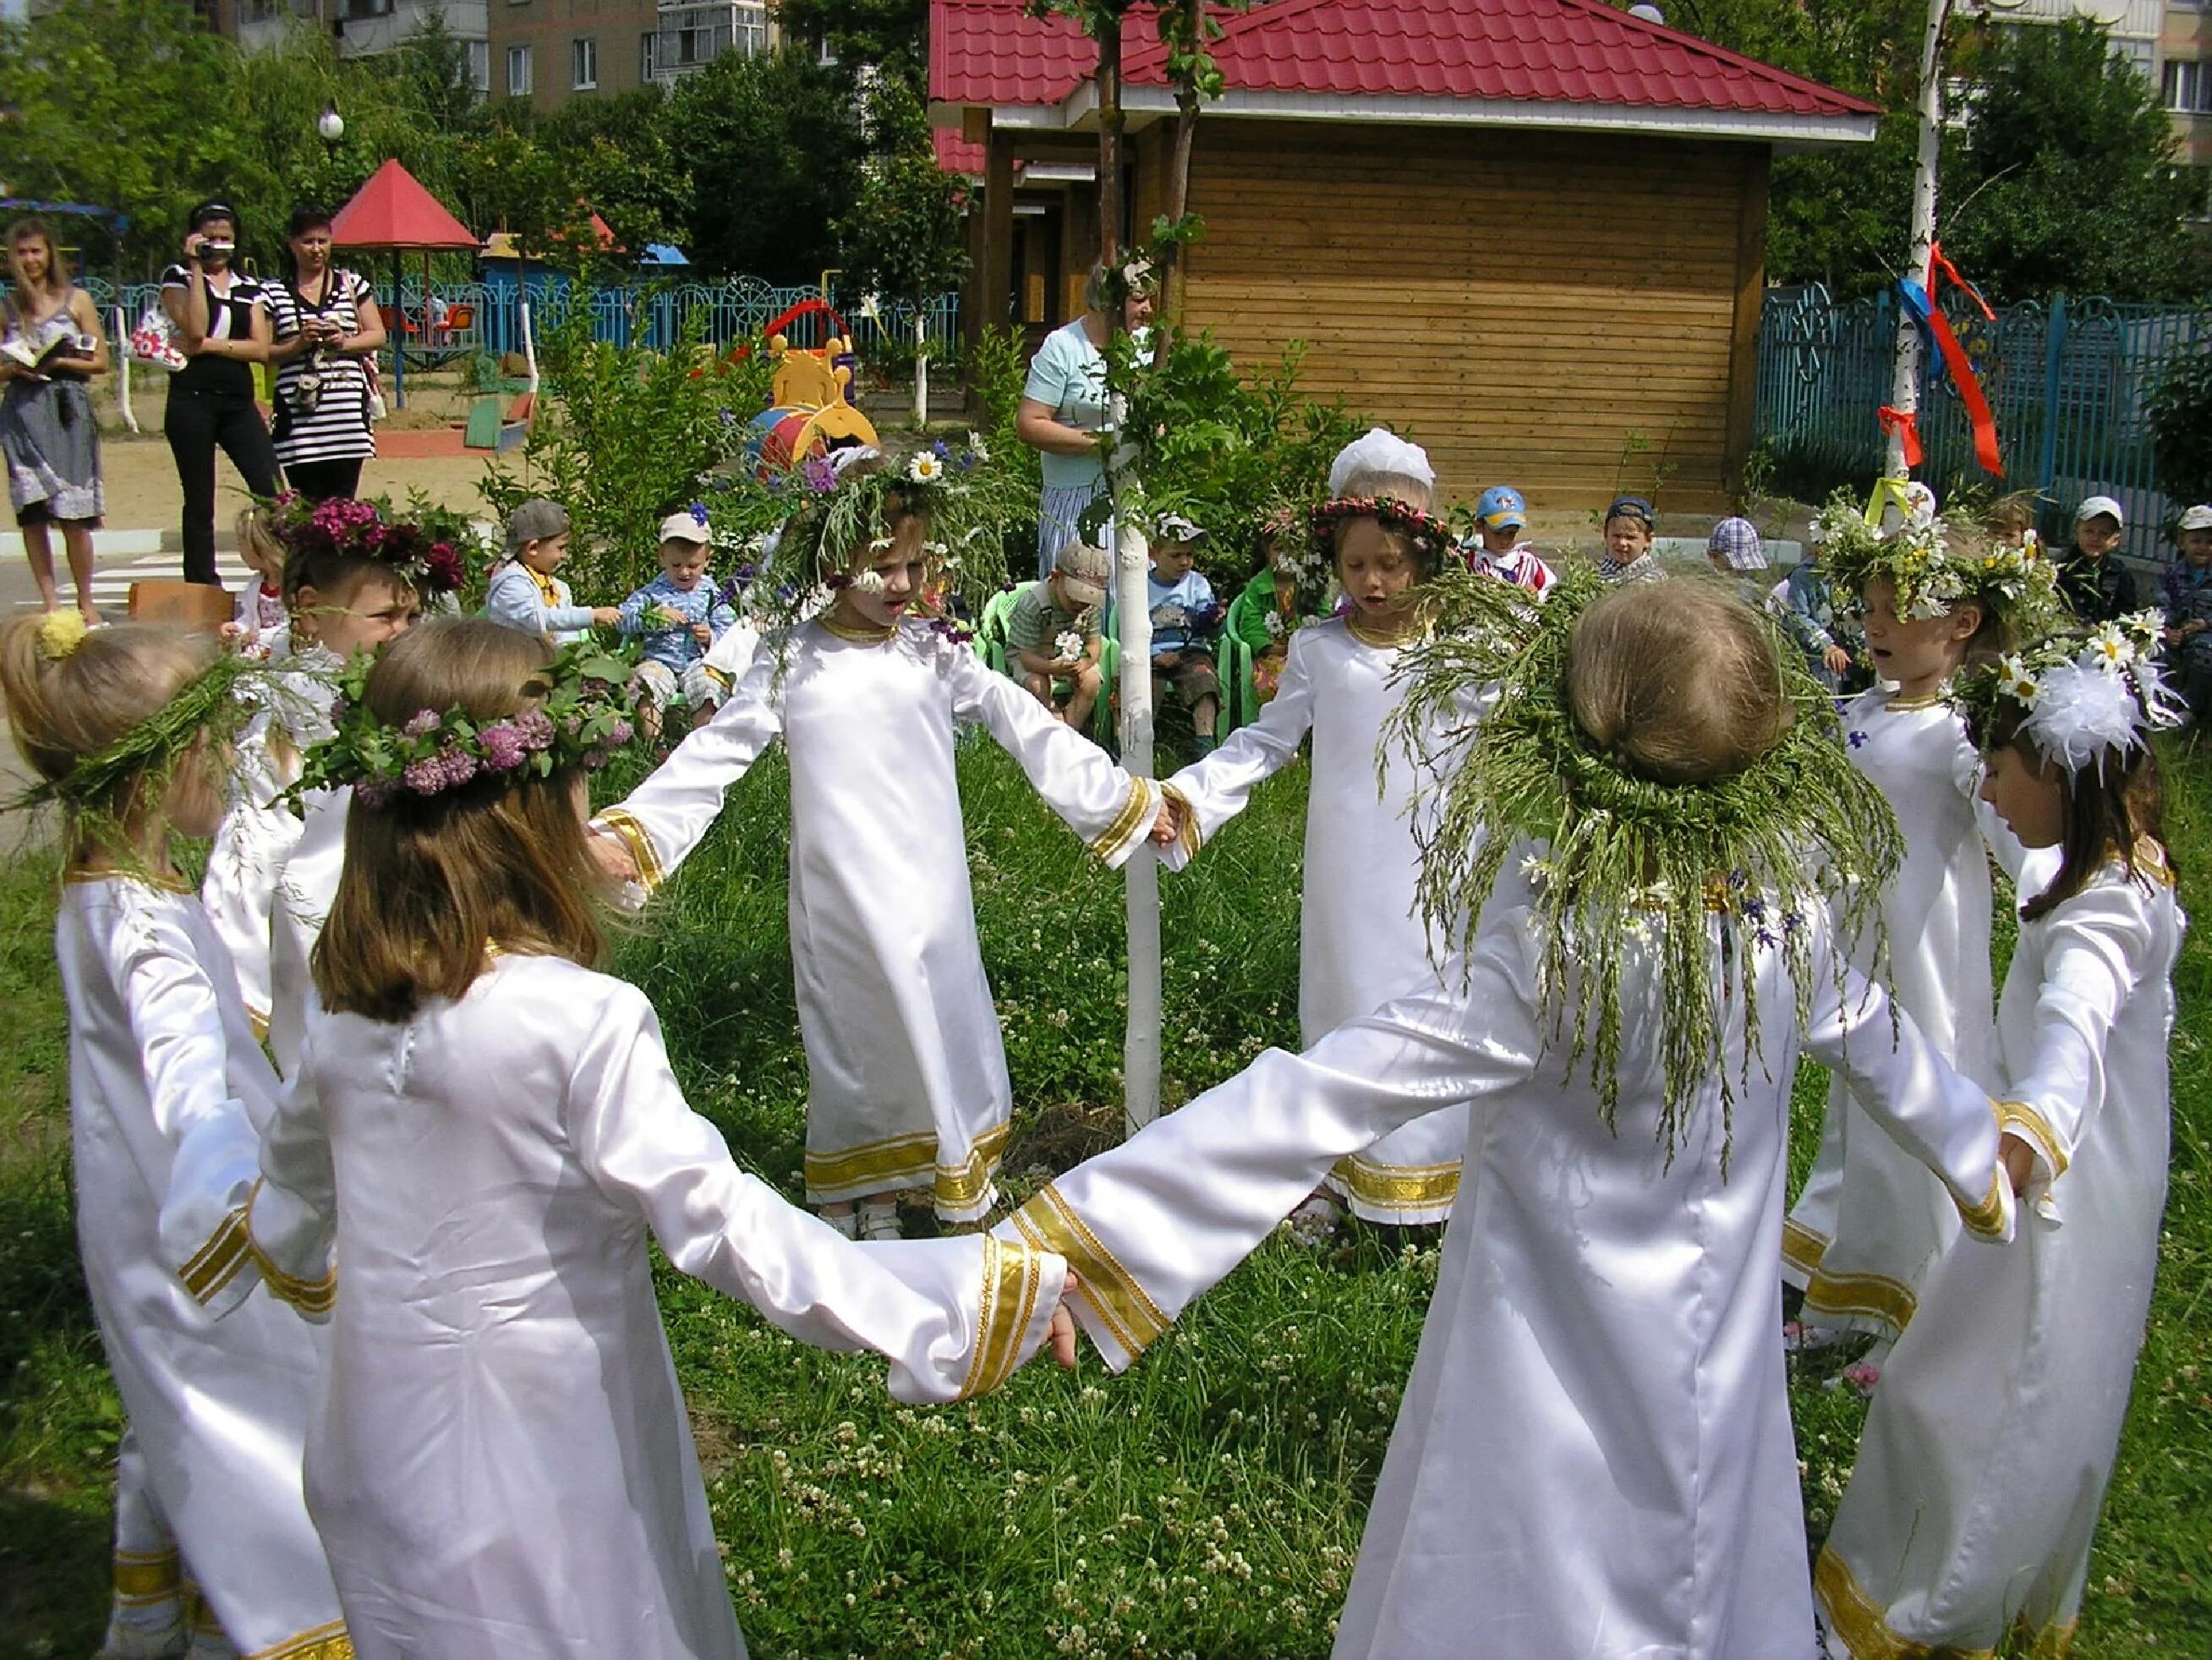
1695	43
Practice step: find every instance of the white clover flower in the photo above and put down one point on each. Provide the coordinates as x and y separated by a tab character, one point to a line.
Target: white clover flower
1274	625
976	448
1068	644
925	469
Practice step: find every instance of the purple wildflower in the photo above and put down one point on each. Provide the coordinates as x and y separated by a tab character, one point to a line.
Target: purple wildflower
422	723
504	748
424	777
1858	740
536	727
698	511
620	734
373	796
821	477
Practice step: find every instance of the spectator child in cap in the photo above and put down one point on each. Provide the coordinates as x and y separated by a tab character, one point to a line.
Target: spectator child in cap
679	616
1052	632
1185	616
1736	550
1629	523
2092	579
1499	518
525	594
2187	596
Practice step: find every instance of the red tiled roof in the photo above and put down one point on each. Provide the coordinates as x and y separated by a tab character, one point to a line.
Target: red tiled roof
1570	51
955	154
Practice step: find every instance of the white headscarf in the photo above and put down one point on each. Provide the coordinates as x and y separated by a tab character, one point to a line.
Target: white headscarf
1380	450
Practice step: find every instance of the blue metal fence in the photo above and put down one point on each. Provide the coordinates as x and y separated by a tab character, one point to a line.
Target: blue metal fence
486	315
2067	381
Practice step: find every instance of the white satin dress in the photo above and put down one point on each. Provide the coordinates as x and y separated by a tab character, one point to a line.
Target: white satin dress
1871	1219
906	1084
166	1087
502	1465
273	871
1361	939
1593	1456
1982	1470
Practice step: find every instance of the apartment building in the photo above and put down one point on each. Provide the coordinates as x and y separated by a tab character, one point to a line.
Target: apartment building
2185	76
551	50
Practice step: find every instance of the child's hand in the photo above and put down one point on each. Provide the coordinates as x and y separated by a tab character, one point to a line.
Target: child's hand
1168	824
1166	659
2019	1161
1838	660
612	855
703	634
1062	1335
605	616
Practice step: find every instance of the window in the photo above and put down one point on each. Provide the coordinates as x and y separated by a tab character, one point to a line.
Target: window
648	58
584	63
2188	86
750	23
480	64
518	71
359	8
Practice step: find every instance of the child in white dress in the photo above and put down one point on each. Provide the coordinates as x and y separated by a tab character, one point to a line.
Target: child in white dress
1966	1526
274	867
1361	939
1593	1456
907	1084
1871	1220
167	1088
463	1177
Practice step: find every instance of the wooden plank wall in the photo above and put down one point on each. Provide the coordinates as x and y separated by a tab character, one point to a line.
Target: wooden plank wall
1559	311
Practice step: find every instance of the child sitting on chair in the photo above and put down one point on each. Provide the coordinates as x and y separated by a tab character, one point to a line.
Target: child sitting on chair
1052	633
1499	518
679	615
1185	614
525	594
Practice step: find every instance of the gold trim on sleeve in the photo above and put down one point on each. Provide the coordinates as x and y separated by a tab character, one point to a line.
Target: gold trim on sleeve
217	1263
1802	1248
1858	1620
2020	1119
1397	1189
312	1298
1187	828
624	825
1012	1276
1986	1220
1139	809
1049	1223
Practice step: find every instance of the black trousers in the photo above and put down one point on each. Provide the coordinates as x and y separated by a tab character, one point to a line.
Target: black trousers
326	481
197	425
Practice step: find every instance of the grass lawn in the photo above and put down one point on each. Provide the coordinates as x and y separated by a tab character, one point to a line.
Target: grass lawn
1207	1503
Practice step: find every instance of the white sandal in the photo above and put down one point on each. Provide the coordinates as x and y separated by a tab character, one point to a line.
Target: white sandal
847	1222
880	1219
1314	1220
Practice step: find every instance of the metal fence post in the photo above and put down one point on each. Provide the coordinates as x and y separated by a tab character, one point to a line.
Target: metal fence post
2054	356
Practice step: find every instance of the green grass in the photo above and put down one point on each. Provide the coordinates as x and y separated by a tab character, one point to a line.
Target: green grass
1209	1502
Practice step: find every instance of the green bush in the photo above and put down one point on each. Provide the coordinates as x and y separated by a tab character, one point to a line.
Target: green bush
2180	409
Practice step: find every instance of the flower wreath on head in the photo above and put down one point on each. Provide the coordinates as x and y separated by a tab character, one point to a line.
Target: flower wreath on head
838	522
1932	568
579	720
1316	565
1627	876
214	705
348	525
2085	694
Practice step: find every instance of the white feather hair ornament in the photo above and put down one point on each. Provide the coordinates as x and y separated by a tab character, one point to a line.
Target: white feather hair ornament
1378	450
2094	705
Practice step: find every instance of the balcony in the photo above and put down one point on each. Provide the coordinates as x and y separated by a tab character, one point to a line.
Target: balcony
690	36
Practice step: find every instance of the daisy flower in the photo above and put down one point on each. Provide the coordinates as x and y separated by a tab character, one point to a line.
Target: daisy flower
2111	649
925	469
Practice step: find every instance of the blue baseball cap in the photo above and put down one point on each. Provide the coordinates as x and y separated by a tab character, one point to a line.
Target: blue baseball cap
1501	508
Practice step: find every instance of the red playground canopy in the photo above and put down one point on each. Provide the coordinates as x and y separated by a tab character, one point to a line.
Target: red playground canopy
392	211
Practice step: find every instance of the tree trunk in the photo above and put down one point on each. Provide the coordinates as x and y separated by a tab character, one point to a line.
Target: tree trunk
1140	1044
1111	121
1904	384
1170	302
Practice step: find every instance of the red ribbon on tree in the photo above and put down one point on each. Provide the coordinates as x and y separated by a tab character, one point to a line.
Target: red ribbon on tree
1923	301
1907	425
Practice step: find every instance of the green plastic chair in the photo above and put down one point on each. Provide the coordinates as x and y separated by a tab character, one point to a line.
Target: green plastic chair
1233	664
991	630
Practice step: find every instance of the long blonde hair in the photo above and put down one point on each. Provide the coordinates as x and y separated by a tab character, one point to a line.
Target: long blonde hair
430	882
64	708
57	282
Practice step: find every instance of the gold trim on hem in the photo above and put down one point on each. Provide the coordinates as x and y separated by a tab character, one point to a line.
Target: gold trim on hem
259	1019
1012	1274
1856	1617
1049	1223
328	1642
1802	1248
1187	832
2031	1127
909	1161
1397	1187
1139	809
141	1578
624	825
1864	1296
217	1263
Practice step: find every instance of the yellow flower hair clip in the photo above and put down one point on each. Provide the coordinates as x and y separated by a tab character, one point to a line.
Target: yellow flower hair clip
61	632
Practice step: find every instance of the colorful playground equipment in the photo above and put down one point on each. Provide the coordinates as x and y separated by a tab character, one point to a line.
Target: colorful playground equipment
812	412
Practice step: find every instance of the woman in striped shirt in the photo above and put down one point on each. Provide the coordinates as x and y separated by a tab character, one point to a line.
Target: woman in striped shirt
222	316
325	326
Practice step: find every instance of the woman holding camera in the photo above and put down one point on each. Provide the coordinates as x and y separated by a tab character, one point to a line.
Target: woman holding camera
326	329
222	317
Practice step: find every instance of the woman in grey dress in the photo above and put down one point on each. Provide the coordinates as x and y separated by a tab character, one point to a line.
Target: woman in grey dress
50	346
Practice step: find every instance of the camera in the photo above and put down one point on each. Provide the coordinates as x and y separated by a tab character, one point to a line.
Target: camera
212	250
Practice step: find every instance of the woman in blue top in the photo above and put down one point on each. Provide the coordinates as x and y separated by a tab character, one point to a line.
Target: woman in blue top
1065	407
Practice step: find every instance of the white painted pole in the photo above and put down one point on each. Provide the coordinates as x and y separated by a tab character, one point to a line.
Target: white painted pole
1905	382
1141	1047
120	345
920	366
529	353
